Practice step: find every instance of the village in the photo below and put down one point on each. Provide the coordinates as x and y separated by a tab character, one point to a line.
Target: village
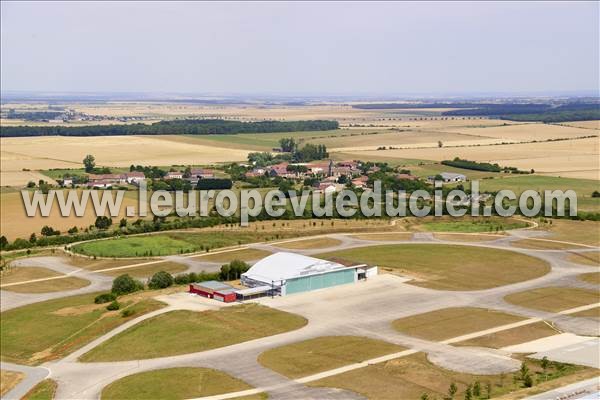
324	176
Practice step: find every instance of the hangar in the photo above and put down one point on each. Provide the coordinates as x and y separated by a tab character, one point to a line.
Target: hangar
287	273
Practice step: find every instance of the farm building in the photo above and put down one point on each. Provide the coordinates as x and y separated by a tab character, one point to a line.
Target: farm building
214	290
451	177
286	273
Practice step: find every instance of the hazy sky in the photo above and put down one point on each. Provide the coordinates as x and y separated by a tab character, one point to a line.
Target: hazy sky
336	48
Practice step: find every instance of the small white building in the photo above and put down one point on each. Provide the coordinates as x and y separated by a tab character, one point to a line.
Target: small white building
452	177
135	177
174	175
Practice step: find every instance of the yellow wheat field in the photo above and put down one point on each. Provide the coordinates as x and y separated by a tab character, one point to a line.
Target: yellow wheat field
38	153
570	158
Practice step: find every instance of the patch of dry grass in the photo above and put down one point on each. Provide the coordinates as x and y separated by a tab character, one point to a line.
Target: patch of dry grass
553	299
448	266
412	376
384	236
323	353
584	232
8	380
101	263
452	322
149	270
536	244
52	285
20	274
228	256
591	277
588	258
456	237
316	243
512	336
173	383
591	313
196	331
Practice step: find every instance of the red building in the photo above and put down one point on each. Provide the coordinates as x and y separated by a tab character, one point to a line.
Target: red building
214	290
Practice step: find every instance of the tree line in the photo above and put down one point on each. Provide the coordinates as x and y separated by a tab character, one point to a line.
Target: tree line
544	112
482	166
174	127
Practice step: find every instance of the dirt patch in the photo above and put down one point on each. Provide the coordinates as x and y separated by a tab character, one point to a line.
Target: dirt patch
8	380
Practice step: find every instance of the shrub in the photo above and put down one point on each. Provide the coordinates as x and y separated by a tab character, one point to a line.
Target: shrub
104	298
160	280
181	279
128	312
124	284
114	305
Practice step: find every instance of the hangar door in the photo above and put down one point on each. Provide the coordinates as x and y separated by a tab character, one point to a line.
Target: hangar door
321	281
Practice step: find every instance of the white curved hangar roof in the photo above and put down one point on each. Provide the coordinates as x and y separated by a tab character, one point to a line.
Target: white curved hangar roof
284	265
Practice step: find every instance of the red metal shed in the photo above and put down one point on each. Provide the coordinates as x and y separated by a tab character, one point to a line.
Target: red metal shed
226	296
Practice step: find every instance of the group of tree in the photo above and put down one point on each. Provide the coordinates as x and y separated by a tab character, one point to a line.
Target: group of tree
149	172
172	185
125	284
482	166
89	165
473	165
172	127
214	184
103	222
233	270
288	144
310	152
265	158
49	231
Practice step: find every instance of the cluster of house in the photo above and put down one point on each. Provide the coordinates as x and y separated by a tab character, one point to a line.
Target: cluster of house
328	172
195	175
108	180
135	177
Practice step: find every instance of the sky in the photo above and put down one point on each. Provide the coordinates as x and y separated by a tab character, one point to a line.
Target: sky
300	48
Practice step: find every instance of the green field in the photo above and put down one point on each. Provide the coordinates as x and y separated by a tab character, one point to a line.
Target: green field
165	244
52	329
539	183
173	384
268	141
324	353
473	225
196	331
44	390
449	267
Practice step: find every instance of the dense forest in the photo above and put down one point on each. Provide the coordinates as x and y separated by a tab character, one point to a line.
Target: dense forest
544	112
174	127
